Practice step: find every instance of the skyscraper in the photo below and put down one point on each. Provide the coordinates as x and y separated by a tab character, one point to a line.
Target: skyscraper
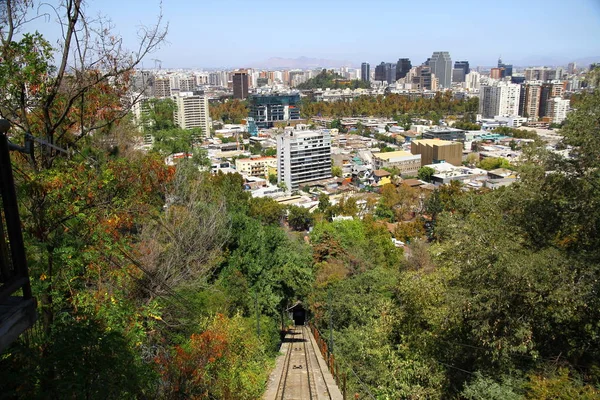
390	73
464	65
240	85
441	66
508	68
402	67
365	72
385	72
380	74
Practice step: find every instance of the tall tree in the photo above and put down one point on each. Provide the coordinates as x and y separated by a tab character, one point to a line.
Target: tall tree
84	92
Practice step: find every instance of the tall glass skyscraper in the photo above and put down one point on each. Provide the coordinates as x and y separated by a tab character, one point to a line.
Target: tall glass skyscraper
365	72
441	66
402	67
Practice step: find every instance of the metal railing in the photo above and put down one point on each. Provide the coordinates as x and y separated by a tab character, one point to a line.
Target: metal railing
350	384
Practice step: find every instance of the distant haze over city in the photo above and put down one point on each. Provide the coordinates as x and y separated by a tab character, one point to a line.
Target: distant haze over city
269	34
308	62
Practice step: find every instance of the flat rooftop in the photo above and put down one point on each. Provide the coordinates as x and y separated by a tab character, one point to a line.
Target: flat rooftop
393	154
437	142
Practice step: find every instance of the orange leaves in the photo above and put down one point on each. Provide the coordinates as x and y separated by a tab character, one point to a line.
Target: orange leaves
215	363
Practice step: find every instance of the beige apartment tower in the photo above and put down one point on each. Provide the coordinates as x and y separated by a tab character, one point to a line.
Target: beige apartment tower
192	111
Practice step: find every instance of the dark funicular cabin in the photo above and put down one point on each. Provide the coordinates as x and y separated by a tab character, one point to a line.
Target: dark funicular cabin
297	312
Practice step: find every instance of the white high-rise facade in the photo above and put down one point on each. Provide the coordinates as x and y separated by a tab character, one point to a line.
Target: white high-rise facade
472	81
303	156
192	111
500	98
558	108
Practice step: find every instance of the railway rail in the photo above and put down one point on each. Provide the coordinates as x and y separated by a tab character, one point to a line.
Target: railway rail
303	375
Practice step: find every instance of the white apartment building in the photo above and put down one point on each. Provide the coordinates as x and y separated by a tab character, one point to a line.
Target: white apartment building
499	98
255	166
558	109
472	81
303	156
192	111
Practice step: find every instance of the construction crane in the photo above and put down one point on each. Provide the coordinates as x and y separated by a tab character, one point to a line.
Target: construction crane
157	63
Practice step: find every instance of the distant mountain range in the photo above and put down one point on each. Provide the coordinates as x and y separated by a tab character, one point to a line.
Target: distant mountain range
301	63
311	62
535	61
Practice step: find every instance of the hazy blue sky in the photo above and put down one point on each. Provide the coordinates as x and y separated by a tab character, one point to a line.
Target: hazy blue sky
237	33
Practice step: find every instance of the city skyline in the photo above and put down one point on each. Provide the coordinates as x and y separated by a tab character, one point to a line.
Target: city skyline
217	35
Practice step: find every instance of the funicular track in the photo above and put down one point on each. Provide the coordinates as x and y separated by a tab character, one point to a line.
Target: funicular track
302	377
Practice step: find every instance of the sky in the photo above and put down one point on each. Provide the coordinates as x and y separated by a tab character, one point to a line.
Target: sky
232	33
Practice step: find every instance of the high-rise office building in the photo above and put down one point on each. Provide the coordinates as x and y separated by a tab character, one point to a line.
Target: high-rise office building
390	73
380	74
458	75
441	66
191	111
385	72
501	98
271	108
508	68
240	85
303	156
365	72
572	68
402	67
464	65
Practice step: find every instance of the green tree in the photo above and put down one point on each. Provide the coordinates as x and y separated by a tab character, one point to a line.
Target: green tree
273	179
336	171
324	202
490	163
159	115
266	210
299	218
425	173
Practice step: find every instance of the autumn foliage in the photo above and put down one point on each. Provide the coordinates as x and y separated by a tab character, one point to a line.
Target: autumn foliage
225	361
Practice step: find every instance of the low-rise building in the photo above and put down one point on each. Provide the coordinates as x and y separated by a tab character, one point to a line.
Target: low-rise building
255	166
408	164
435	151
444	134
